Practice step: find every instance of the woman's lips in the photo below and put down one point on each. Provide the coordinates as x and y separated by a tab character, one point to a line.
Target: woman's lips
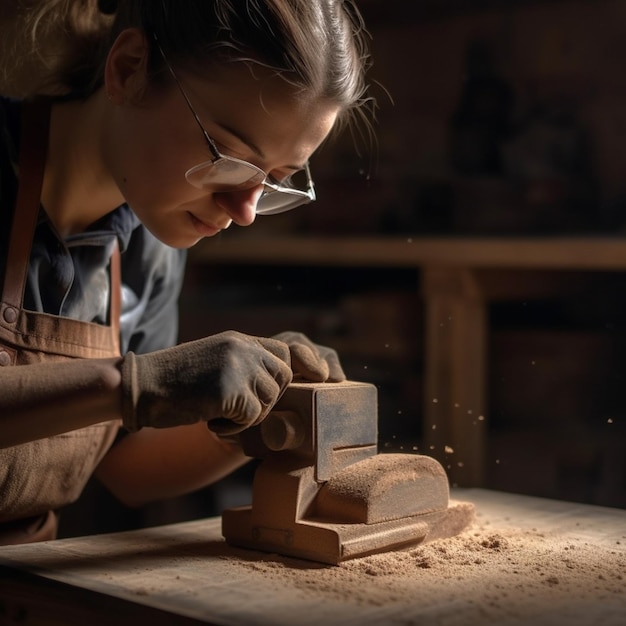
206	230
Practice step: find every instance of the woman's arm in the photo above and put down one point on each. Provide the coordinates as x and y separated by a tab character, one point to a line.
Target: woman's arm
153	464
46	399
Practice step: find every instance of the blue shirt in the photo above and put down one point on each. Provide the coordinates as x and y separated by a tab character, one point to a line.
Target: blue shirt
69	276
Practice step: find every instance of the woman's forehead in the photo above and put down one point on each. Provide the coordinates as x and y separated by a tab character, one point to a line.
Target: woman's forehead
250	85
260	105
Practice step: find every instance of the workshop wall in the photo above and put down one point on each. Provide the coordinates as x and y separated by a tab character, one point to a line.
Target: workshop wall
506	120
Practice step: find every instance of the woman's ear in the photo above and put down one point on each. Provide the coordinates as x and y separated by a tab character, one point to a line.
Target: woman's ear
126	66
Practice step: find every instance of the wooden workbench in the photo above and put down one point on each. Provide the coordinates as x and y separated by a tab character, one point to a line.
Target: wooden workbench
459	278
525	561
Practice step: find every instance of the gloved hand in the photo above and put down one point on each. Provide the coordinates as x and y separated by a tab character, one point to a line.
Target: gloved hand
229	380
310	361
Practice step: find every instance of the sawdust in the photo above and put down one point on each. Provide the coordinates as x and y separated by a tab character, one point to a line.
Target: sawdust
483	574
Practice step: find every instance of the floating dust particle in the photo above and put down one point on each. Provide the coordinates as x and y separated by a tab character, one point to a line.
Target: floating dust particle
449	450
491	574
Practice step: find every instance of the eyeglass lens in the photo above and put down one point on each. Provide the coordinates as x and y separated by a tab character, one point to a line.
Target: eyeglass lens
225	174
228	174
276	202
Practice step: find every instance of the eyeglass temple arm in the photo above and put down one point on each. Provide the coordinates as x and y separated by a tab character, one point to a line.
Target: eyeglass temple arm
212	146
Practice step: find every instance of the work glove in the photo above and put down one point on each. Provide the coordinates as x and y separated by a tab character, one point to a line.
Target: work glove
310	361
229	380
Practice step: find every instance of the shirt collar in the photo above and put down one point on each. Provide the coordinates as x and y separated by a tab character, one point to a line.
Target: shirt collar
120	222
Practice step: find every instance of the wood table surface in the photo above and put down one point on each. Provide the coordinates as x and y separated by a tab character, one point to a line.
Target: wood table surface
186	574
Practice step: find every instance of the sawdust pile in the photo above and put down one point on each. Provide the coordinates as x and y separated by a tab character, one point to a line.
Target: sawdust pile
484	574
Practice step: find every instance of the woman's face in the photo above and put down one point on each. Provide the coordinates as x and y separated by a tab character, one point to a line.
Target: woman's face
248	112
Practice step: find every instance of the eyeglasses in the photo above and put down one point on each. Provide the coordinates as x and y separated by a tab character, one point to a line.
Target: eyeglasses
224	173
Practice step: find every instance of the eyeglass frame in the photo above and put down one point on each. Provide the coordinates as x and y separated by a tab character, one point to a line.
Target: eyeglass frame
304	196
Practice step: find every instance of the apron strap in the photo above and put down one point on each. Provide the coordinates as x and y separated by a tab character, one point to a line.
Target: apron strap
32	160
115	306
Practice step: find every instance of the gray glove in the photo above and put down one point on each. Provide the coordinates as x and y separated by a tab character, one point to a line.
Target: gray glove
229	380
310	361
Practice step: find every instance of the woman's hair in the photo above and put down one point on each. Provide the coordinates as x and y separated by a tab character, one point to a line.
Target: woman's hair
319	46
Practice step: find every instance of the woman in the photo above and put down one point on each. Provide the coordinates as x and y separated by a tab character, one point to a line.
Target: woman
195	115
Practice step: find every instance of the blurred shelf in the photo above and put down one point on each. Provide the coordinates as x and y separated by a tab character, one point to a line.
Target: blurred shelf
541	253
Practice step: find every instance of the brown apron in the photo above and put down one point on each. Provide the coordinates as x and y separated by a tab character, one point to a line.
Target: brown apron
39	477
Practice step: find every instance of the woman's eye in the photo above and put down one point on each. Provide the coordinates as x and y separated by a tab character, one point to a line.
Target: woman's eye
290	178
224	149
279	179
296	180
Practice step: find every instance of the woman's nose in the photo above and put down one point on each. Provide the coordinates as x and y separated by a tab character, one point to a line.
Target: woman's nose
240	205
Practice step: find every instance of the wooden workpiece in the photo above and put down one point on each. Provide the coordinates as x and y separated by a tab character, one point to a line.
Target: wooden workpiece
324	494
524	561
